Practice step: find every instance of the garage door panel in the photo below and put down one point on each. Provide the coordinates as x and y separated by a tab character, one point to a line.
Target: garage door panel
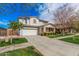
28	32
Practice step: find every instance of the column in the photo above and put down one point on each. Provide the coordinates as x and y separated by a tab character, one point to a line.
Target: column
44	29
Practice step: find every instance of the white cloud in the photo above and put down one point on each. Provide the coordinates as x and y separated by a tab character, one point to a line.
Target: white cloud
1	22
5	23
47	14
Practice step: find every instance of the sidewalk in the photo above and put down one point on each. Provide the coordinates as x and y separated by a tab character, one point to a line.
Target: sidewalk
65	36
8	37
14	47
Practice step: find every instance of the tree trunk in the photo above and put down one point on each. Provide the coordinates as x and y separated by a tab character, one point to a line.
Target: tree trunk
11	40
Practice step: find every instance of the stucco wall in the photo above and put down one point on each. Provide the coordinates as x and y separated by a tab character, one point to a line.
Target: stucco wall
22	21
31	21
38	23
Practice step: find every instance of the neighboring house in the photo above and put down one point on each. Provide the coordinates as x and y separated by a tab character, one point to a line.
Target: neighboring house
3	31
35	26
7	32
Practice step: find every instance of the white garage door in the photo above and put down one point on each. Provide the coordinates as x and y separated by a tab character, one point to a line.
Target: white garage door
28	32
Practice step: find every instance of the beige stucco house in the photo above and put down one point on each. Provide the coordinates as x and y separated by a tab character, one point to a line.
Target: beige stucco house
35	26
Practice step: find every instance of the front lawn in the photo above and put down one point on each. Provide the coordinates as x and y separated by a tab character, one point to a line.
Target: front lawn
74	39
29	51
54	36
14	41
58	35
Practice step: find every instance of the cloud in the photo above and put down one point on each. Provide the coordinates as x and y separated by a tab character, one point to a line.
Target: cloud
4	22
47	13
1	22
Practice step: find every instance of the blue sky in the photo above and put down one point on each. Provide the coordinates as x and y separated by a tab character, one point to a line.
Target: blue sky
11	12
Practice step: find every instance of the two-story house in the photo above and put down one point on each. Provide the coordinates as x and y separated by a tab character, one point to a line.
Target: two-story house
35	26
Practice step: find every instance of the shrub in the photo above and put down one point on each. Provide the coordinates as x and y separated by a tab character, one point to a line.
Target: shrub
46	33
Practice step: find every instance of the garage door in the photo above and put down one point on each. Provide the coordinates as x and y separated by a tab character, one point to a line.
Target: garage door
28	32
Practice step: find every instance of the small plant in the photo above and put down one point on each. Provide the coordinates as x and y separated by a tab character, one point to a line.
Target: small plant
46	33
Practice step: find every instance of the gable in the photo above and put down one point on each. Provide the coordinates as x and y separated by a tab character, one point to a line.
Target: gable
49	25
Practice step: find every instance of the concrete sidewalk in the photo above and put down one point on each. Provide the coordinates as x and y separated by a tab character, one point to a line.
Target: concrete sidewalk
8	37
14	47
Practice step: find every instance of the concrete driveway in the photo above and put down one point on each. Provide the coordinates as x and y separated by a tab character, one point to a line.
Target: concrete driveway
53	47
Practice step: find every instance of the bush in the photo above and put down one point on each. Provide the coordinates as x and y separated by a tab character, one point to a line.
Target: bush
46	33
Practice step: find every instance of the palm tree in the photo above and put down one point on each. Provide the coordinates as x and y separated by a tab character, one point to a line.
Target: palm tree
15	26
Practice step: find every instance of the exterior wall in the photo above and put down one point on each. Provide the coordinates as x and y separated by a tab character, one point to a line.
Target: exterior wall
22	21
40	30
38	22
41	23
12	32
32	21
28	21
7	32
3	32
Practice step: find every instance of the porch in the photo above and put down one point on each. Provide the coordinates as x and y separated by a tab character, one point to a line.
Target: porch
54	29
42	30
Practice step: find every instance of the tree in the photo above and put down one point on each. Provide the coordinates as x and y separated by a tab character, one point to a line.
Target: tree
15	26
64	15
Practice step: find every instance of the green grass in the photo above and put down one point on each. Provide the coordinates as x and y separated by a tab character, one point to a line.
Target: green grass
29	51
54	36
14	41
74	39
58	35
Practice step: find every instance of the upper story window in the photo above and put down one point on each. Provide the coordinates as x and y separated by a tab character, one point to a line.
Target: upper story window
34	21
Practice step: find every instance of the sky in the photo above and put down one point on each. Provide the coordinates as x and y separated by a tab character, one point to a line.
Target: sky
11	11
